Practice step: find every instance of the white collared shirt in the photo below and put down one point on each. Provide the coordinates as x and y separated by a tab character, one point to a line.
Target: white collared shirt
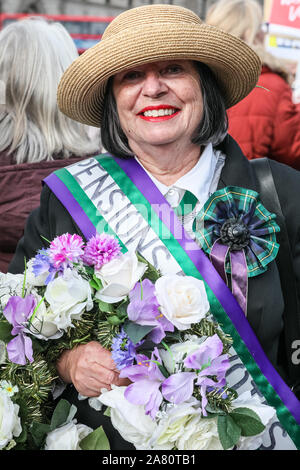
201	180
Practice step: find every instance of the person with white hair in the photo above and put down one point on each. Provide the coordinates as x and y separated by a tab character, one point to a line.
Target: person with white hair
267	122
35	137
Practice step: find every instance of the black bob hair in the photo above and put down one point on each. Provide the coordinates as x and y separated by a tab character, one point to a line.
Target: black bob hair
211	129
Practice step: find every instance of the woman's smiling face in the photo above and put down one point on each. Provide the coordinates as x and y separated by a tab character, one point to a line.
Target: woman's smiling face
159	103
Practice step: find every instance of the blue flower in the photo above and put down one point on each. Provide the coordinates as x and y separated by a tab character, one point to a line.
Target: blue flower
42	265
123	350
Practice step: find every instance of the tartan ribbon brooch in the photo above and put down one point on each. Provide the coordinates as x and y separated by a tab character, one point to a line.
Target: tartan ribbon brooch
239	235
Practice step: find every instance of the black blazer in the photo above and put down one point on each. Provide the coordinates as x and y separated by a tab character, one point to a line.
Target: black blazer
265	299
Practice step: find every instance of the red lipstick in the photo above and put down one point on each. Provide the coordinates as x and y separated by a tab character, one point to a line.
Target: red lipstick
157	108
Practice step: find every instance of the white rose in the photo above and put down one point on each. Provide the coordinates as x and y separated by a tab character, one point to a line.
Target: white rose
68	296
119	276
43	324
10	423
200	434
178	351
10	284
130	420
172	424
67	437
183	299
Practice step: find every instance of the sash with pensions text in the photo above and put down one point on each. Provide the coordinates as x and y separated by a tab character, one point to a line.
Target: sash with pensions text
108	194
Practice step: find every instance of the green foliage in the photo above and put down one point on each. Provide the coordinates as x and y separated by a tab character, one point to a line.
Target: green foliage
151	272
96	283
248	421
5	331
114	320
121	310
39	432
163	370
239	422
96	440
105	307
216	402
63	413
136	332
229	431
105	333
35	381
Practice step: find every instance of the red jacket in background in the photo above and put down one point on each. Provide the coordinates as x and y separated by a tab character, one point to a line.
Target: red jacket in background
20	188
267	123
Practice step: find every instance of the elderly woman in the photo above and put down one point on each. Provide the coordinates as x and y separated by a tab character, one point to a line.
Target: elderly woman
158	84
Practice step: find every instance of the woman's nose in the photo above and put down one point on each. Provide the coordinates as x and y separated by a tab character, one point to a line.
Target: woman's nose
154	86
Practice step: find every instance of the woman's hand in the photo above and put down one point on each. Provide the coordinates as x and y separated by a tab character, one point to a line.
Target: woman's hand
90	368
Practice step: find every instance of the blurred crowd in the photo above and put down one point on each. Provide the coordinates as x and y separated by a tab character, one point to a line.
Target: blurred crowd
266	122
36	138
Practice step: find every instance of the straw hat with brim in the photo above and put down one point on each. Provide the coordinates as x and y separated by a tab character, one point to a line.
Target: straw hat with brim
148	34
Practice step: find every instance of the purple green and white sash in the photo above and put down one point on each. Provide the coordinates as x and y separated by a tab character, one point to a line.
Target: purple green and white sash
106	194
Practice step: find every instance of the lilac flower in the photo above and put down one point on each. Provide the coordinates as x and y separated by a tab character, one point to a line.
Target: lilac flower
124	350
147	380
17	311
207	361
66	250
179	387
143	309
101	249
42	265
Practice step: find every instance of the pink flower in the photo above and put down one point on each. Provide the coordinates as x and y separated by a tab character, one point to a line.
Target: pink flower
101	249
66	250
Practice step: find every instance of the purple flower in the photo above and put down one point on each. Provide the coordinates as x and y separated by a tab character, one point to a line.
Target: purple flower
101	249
20	348
179	387
42	264
17	312
65	250
143	309
207	362
147	380
123	350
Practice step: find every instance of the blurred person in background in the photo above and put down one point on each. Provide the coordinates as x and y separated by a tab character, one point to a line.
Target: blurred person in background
267	122
35	137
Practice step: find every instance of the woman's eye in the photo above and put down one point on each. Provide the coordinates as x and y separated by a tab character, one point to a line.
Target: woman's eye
173	69
131	76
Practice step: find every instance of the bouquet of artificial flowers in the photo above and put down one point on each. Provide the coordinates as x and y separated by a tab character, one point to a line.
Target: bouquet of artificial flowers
161	335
